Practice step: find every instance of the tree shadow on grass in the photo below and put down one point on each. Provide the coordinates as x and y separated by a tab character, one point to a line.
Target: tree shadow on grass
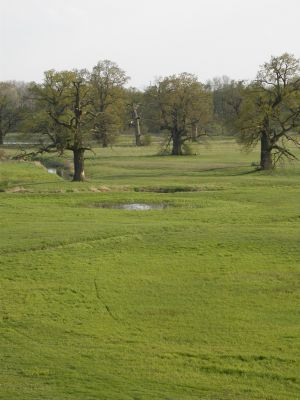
252	171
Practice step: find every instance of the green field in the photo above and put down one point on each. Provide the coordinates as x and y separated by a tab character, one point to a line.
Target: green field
198	300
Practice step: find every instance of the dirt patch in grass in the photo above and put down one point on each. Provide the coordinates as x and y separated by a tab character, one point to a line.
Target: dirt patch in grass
17	189
99	189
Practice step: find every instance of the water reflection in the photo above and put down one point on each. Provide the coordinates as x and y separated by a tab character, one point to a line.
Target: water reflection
133	206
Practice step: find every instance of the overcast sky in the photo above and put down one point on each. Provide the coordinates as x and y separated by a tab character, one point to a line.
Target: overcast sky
146	38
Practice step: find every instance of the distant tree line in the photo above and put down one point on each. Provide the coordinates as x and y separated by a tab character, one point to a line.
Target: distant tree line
71	110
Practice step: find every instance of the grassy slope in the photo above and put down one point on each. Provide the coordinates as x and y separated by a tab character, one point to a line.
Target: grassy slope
198	300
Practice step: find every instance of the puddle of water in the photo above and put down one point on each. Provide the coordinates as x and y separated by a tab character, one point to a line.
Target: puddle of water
133	206
63	173
141	207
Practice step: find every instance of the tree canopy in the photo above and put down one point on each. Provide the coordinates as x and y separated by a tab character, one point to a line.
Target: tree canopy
107	82
62	116
270	113
183	108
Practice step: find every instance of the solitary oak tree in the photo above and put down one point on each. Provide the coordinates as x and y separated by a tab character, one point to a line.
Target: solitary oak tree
183	108
108	100
62	116
270	112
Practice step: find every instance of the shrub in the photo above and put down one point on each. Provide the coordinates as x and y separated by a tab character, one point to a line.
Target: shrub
187	149
3	155
146	140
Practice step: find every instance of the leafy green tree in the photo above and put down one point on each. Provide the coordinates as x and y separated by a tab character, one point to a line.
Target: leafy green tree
62	115
270	112
184	108
10	108
227	101
108	100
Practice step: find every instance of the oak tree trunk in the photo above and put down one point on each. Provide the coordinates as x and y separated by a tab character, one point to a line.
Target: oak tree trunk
78	156
177	144
195	133
137	126
137	132
105	140
266	162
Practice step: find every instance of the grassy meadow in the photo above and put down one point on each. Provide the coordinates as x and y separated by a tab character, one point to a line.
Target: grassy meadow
198	300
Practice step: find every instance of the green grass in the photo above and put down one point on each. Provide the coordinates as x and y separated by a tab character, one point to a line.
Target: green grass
196	301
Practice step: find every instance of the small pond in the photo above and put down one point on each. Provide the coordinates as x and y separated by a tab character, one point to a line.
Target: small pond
133	206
